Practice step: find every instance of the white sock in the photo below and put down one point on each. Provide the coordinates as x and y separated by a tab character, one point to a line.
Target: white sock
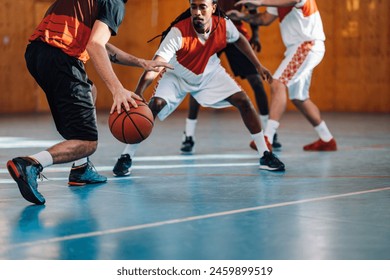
44	158
190	127
81	161
130	149
264	121
260	142
323	132
270	130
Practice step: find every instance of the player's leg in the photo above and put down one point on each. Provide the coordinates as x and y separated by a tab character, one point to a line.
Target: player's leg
77	124
188	142
165	100
268	161
83	171
326	141
277	107
243	67
299	95
262	104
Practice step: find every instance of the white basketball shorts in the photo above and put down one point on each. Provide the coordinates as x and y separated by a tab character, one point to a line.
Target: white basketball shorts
211	91
296	69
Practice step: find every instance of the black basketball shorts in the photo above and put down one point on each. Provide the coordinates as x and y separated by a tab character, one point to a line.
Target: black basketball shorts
67	88
239	63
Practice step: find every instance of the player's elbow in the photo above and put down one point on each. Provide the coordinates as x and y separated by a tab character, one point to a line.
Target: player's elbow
93	47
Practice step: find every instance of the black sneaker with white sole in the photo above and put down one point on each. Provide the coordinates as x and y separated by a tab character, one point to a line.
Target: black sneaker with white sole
122	166
187	146
270	162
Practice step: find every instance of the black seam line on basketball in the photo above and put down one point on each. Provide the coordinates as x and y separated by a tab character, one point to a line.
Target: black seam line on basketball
114	120
136	113
136	127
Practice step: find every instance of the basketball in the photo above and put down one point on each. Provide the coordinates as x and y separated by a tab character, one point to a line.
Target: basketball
134	126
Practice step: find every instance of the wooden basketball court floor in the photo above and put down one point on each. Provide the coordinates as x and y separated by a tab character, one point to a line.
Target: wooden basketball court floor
214	204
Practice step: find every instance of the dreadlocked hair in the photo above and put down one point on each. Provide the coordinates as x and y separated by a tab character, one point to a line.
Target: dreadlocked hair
186	14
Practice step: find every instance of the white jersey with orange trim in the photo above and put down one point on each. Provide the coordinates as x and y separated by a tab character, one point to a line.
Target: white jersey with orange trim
173	43
197	68
299	23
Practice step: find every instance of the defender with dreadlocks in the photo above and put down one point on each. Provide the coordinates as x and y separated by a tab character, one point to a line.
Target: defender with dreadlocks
191	44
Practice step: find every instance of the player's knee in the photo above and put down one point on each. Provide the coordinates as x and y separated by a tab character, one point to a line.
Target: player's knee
156	104
241	101
277	87
90	147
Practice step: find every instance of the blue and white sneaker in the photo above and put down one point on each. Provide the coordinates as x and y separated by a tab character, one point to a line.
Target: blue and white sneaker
25	171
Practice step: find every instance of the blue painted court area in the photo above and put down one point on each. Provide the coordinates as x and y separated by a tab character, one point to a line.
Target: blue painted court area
213	205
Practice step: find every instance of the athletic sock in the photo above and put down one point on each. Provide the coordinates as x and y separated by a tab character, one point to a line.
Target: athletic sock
260	142
190	127
81	161
130	149
264	121
270	130
44	158
323	132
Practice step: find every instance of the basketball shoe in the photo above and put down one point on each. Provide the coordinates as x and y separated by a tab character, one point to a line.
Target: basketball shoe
122	166
270	162
25	171
321	146
252	144
187	146
85	174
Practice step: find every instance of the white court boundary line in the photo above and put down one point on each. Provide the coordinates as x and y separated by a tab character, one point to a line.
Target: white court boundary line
186	219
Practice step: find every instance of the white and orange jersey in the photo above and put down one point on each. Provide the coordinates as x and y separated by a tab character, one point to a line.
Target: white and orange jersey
193	55
299	23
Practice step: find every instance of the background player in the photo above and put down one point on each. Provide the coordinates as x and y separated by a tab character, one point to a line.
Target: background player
303	35
242	67
191	45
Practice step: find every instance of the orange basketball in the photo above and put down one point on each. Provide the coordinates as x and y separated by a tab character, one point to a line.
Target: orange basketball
134	126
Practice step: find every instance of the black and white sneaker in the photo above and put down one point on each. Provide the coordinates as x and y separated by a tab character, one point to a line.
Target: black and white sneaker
122	166
270	162
187	146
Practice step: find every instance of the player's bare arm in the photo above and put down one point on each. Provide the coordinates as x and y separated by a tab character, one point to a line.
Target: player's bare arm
263	19
254	40
273	3
243	44
97	51
148	76
118	56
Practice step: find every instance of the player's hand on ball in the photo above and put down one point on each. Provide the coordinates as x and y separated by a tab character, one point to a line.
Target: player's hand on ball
122	99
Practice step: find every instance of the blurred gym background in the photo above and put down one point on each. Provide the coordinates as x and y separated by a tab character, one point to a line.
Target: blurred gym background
353	77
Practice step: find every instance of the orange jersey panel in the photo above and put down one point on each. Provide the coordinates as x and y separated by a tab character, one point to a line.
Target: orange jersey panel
194	55
64	32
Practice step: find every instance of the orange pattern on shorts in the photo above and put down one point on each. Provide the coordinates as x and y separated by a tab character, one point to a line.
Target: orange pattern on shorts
296	62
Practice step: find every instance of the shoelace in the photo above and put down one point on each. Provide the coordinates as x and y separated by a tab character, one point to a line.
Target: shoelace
41	177
91	166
